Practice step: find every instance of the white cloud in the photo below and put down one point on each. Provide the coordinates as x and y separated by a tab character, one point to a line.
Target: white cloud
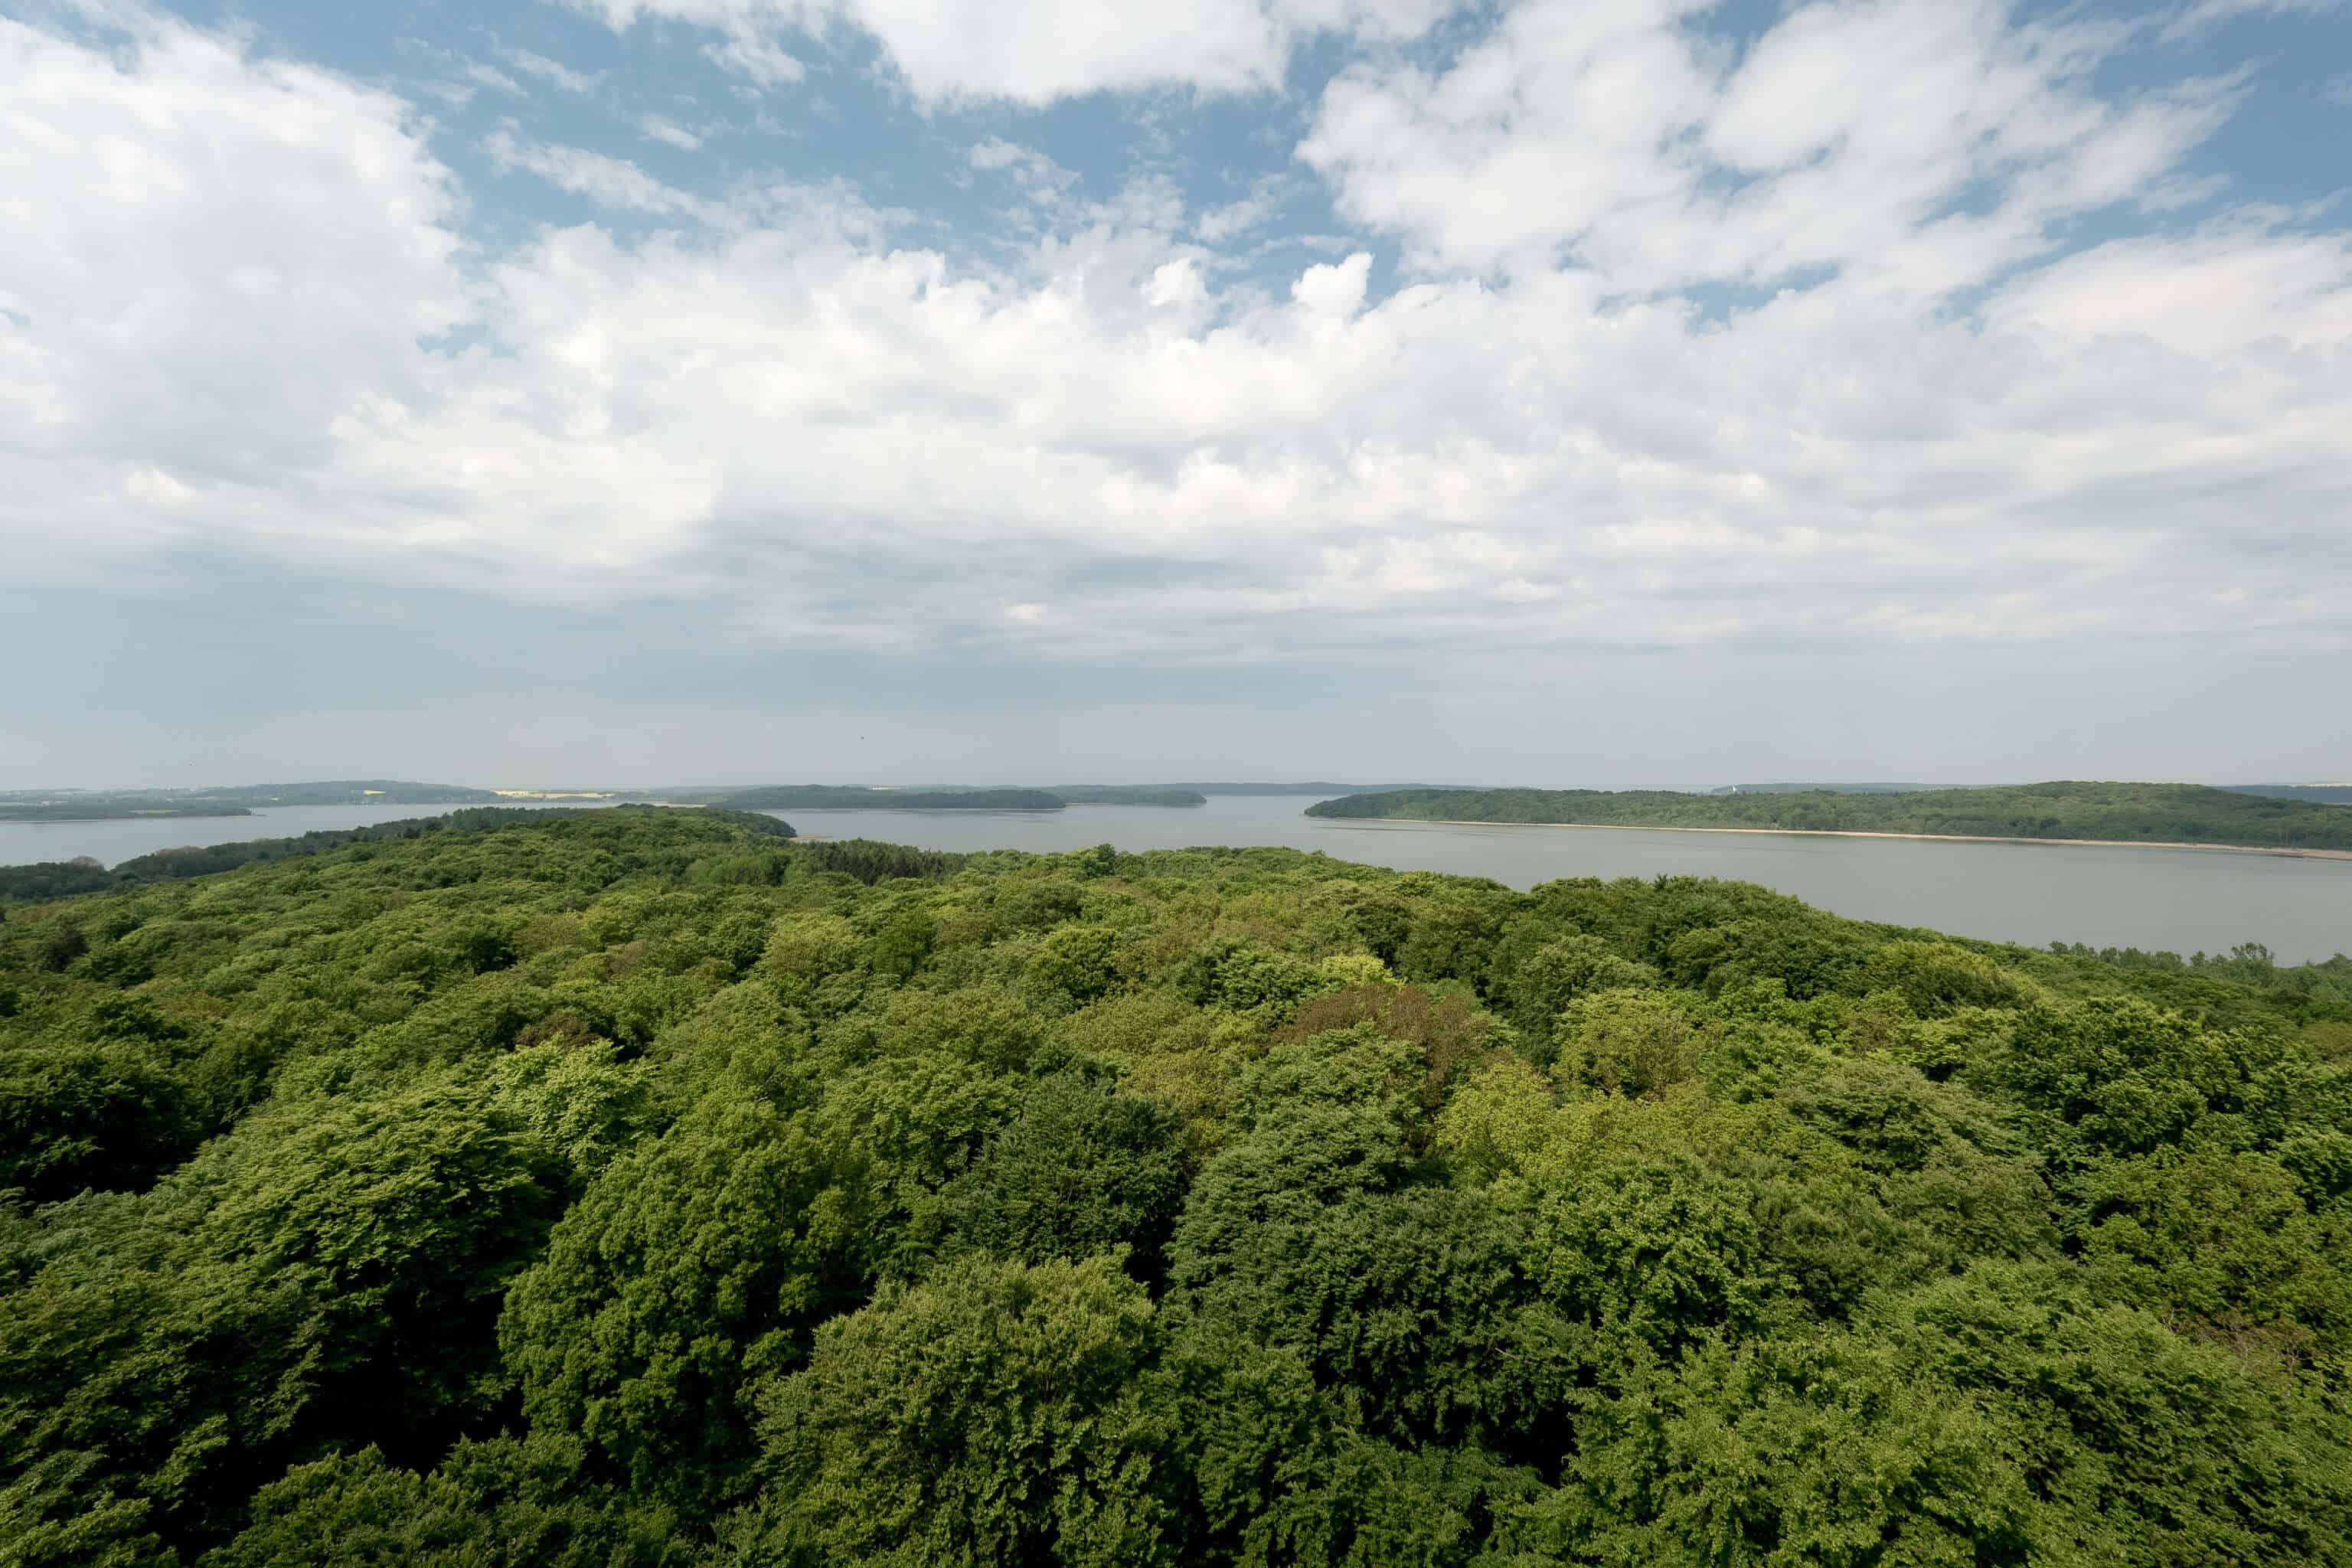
552	71
1040	179
219	270
1042	50
2196	17
203	256
655	128
490	76
760	61
1861	134
2228	287
1220	224
609	182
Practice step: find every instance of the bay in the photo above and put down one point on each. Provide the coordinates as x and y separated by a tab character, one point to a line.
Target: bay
2181	901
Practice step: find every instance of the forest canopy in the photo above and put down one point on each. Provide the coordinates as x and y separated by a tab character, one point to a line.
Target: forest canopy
645	1187
2152	812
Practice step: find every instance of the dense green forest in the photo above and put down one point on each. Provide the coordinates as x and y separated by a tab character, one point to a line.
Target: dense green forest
2177	813
643	1187
860	797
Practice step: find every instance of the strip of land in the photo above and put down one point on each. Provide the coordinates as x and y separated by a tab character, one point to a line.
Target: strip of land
2065	811
2291	854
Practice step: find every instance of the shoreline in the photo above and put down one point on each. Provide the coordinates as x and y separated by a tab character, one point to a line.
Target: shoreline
2287	851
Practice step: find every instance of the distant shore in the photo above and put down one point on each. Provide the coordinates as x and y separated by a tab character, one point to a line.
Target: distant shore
2289	851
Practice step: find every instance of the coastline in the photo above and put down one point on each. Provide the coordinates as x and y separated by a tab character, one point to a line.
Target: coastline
2288	851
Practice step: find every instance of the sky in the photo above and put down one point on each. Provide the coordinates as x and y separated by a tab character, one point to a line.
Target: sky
1603	393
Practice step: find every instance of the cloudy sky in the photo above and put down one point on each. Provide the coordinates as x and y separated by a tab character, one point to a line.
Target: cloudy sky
1604	392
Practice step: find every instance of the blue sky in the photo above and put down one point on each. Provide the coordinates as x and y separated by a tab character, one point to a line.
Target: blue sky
1616	392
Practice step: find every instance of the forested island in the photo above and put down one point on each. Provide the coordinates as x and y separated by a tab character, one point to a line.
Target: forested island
645	1188
2124	813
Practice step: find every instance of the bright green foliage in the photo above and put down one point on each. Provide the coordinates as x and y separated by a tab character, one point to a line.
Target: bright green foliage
1935	977
107	1113
495	1504
649	1188
1819	1451
990	1414
1080	962
2140	1444
1626	1042
1080	1169
690	1267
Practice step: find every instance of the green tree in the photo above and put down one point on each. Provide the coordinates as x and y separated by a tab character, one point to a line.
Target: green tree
990	1414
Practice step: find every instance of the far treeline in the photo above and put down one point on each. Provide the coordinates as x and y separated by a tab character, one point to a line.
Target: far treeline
866	797
2324	795
859	797
108	808
2147	813
229	800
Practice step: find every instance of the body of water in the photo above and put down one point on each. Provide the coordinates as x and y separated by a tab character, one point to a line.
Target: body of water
2180	899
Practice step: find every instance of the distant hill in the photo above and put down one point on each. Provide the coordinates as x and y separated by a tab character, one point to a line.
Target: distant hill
230	800
1311	787
2319	795
859	797
2149	813
1821	788
1128	795
349	791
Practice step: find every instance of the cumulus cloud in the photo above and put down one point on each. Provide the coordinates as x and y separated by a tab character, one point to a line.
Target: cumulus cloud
1854	134
204	258
237	308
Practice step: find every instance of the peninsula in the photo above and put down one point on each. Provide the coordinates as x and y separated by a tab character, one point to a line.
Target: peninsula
2067	811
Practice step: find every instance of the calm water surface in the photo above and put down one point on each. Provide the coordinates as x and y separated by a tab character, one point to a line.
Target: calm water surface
2180	899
